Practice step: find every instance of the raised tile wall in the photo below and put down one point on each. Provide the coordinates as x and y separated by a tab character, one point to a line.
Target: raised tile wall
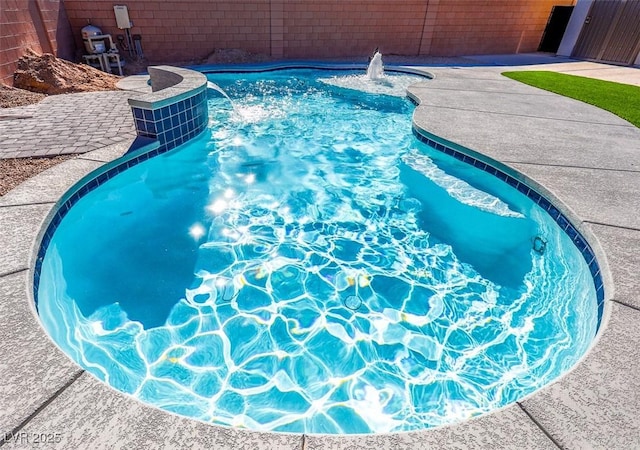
177	112
174	124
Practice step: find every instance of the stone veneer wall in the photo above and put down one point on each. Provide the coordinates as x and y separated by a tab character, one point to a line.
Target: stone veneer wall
186	30
40	25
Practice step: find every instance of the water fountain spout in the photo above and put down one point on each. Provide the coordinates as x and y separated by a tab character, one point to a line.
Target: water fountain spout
218	89
375	71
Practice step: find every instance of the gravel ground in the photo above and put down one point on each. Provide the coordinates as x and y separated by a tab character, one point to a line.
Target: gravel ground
11	97
15	171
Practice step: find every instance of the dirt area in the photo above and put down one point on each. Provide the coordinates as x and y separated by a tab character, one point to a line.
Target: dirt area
47	74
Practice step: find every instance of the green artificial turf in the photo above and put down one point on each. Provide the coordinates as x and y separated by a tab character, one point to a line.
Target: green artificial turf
621	99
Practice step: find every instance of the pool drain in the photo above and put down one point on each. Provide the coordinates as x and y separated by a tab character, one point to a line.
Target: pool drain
539	245
353	302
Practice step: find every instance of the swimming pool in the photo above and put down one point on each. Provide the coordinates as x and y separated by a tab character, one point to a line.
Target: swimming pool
307	265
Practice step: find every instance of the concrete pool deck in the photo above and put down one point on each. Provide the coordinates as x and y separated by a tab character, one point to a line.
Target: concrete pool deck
586	157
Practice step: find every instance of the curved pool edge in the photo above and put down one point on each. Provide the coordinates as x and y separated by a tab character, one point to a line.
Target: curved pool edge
148	422
511	427
81	387
286	65
76	385
579	156
566	218
503	172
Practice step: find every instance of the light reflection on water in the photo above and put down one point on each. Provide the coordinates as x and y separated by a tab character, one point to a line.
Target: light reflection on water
308	266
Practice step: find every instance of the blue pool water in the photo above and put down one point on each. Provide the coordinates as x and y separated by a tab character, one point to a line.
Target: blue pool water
307	265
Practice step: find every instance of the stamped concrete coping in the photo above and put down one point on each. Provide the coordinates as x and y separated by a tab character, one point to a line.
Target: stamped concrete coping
169	84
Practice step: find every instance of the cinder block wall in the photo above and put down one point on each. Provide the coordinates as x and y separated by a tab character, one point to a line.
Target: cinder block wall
41	25
467	27
189	29
177	31
186	30
338	28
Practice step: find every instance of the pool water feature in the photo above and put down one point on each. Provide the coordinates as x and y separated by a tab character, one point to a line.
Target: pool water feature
307	265
375	70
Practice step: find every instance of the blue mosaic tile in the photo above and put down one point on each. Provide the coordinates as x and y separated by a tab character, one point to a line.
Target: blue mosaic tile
533	195
562	222
544	203
571	232
492	170
580	243
597	279
553	212
600	311
523	188
102	178
501	175
480	165
594	268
